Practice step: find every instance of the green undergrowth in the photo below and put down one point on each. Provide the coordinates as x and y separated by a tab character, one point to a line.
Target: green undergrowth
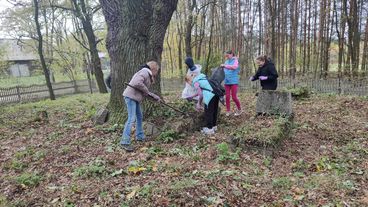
299	92
68	108
264	131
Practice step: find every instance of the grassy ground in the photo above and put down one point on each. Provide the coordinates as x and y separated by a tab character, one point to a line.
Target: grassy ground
65	161
32	80
39	79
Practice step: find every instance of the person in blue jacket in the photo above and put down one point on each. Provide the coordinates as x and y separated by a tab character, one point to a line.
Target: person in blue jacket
231	69
210	100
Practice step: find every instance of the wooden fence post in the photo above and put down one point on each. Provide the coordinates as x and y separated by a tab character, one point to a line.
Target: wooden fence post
75	86
18	93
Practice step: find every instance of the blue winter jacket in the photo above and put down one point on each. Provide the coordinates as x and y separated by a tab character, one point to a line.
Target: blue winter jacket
203	83
231	76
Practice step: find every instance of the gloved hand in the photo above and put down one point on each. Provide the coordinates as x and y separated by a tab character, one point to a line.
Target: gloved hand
189	99
263	77
251	78
154	96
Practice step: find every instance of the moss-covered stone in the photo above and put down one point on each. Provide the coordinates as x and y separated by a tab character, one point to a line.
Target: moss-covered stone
262	131
274	102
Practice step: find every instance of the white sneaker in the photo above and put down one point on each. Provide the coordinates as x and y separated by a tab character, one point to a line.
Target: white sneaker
238	112
214	128
228	113
207	131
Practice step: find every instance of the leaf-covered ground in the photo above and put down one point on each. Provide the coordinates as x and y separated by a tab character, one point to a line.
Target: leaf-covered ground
65	161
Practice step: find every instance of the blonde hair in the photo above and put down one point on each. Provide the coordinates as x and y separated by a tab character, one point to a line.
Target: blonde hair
263	58
189	77
153	65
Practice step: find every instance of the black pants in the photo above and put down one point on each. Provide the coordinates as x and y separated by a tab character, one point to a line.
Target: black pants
210	112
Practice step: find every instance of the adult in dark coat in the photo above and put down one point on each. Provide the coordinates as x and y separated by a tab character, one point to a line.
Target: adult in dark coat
266	73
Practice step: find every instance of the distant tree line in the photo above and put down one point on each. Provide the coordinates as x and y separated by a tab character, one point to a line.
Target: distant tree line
316	38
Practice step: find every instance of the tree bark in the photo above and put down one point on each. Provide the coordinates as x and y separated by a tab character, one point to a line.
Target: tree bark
293	38
136	31
180	51
211	35
355	37
40	50
189	27
364	67
340	30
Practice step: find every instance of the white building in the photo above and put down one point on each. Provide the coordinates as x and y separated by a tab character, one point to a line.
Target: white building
19	56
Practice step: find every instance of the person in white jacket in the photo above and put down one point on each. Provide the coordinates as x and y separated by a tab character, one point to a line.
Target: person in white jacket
195	69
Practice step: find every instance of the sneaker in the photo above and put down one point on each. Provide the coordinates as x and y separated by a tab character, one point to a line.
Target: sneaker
214	128
140	139
127	147
228	113
238	112
208	131
204	129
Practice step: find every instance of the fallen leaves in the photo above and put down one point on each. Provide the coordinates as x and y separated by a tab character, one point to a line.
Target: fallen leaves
132	193
136	170
175	178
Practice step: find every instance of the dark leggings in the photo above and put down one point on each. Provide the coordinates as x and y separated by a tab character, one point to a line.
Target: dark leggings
211	111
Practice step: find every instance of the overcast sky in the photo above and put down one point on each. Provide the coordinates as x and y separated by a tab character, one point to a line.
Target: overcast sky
4	4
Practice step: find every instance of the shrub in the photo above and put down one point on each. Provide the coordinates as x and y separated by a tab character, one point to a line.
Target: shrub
224	154
94	169
169	136
28	179
281	182
299	92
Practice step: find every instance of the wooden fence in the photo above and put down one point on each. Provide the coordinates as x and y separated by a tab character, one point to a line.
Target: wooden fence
337	86
38	92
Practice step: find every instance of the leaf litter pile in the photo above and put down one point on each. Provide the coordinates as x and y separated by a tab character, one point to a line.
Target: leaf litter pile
61	159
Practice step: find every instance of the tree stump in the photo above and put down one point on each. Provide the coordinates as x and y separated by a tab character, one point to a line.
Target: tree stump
274	103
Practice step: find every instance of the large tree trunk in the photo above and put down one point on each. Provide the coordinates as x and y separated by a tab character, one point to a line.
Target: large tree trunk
40	50
85	18
136	31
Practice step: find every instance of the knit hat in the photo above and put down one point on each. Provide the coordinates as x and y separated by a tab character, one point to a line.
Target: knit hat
190	63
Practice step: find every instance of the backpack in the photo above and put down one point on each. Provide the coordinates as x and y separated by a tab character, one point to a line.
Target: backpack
217	88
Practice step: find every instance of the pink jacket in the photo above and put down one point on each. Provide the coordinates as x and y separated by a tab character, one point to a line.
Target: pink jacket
142	80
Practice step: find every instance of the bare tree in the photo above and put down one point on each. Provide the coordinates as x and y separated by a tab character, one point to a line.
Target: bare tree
40	49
